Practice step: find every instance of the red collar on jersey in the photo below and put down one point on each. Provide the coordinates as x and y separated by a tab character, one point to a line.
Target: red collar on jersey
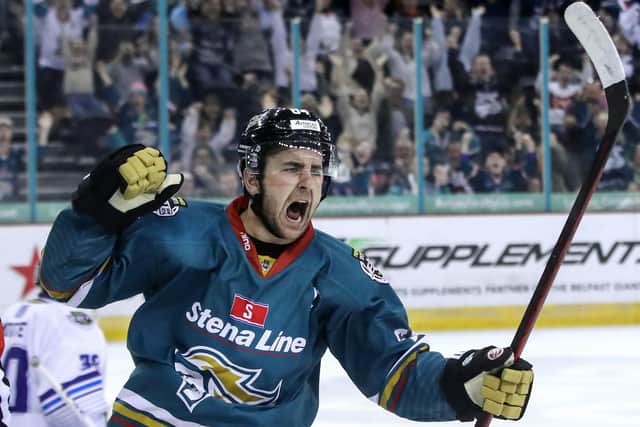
234	209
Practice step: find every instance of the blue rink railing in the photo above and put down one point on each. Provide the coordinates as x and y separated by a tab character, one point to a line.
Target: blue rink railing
20	212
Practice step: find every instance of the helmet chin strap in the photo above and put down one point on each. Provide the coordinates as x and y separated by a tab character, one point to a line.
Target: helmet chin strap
326	184
258	208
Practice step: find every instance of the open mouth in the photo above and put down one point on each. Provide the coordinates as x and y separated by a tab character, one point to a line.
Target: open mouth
297	210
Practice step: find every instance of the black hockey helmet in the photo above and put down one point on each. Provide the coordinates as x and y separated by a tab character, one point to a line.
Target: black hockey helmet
282	128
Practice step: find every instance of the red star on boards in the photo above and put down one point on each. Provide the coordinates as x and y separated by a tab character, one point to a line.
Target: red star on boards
29	272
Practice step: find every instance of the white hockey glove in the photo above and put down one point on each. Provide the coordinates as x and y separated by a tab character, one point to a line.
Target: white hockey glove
488	380
129	183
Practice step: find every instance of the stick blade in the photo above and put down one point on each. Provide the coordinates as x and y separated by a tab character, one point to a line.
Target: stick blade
595	39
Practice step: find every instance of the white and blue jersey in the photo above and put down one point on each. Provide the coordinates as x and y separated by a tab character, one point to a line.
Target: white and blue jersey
4	387
223	339
71	347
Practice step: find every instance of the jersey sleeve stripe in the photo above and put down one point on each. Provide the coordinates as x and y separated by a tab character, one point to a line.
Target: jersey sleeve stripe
91	376
89	403
80	294
56	402
139	405
72	392
398	390
85	394
121	421
140	418
80	378
63	415
57	295
420	342
394	380
69	295
52	405
80	389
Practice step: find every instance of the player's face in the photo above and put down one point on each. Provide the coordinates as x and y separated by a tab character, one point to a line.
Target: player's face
291	190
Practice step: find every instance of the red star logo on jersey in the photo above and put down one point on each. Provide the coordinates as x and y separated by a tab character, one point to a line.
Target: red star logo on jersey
29	272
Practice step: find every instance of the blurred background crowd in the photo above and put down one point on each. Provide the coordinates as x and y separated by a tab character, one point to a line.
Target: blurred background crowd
97	85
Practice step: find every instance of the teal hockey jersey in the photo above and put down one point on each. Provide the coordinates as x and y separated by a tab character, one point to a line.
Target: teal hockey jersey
219	343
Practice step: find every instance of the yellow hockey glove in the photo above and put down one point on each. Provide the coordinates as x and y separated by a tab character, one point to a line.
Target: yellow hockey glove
488	380
129	183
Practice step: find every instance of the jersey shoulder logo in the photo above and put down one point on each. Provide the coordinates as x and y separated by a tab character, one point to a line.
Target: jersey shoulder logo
369	268
80	318
171	206
207	372
402	334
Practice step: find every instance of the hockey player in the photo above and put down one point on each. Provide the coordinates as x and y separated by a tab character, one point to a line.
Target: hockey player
52	348
4	387
242	301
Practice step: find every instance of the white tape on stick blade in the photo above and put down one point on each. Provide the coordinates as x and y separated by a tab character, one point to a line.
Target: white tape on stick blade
595	39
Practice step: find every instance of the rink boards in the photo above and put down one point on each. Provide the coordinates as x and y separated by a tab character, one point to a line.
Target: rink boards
451	272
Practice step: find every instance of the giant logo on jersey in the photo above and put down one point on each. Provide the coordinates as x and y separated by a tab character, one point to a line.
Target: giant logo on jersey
209	373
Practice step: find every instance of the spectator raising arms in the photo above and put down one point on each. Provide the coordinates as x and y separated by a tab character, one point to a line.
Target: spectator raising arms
208	116
212	39
357	109
117	25
53	22
250	47
79	86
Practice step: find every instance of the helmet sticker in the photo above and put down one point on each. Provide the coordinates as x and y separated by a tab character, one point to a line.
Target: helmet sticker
304	125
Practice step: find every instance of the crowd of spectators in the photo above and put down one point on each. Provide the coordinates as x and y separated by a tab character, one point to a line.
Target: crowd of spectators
229	59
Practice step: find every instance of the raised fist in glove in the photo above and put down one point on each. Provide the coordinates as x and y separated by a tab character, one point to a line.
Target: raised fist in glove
127	184
487	380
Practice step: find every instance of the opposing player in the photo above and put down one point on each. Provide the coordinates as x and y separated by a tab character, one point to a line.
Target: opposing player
48	341
242	301
4	387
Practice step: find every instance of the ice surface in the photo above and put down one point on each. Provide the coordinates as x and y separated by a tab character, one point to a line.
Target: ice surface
584	377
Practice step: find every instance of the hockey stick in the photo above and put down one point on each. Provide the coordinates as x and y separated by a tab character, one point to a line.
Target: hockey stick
55	385
595	40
